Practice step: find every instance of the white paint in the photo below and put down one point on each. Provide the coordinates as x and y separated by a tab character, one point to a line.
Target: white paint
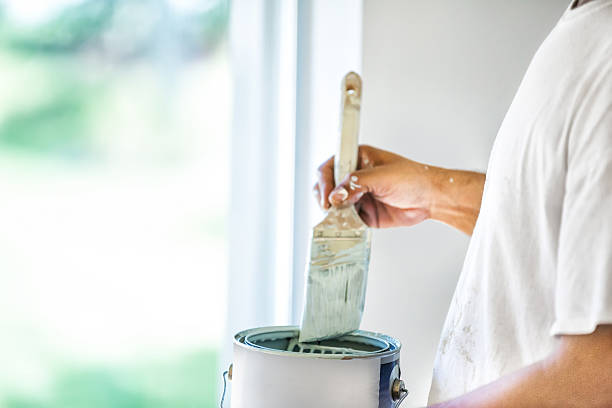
354	186
353	183
337	276
451	180
335	292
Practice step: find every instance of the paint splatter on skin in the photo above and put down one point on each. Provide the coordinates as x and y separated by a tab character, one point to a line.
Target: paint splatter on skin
451	180
366	162
353	184
426	167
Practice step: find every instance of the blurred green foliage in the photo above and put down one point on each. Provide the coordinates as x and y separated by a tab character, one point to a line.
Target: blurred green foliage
79	54
84	24
189	382
67	32
55	126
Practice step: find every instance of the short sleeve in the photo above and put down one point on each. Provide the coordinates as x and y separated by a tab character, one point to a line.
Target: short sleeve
583	294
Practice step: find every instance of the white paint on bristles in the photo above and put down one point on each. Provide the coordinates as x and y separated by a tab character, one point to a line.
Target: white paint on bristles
337	276
335	294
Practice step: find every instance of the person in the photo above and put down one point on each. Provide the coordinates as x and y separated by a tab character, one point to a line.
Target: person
530	323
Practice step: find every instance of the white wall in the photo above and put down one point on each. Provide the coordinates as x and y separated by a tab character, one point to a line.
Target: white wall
438	78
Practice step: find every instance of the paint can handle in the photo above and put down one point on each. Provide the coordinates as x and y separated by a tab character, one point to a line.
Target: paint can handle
227	376
398	392
346	158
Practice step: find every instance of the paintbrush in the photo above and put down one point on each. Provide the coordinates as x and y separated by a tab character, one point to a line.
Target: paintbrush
340	247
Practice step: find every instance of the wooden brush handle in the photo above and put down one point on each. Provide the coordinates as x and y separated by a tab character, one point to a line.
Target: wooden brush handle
345	161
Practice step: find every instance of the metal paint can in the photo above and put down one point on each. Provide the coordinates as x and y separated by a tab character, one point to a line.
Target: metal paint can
272	369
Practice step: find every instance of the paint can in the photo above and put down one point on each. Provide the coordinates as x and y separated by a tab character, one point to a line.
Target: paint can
272	369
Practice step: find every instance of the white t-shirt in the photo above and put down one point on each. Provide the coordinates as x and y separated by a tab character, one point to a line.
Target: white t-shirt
539	263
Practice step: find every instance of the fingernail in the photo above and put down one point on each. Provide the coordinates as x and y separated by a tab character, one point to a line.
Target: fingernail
339	195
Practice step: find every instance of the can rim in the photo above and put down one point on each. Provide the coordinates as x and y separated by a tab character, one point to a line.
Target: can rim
394	344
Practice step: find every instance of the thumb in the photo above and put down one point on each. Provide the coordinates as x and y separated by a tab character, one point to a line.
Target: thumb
353	187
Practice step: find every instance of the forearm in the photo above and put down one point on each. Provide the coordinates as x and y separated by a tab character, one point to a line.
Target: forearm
527	388
456	197
577	375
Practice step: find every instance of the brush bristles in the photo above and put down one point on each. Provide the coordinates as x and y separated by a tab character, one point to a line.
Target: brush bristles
335	291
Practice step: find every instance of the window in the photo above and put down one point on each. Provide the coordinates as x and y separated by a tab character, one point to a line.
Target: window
142	179
114	163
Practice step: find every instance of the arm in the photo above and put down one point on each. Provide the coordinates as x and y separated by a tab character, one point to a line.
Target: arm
578	374
456	198
390	190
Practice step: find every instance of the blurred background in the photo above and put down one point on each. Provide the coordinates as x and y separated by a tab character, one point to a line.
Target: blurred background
156	165
113	116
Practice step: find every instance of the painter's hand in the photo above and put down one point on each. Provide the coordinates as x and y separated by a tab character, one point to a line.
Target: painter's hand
388	190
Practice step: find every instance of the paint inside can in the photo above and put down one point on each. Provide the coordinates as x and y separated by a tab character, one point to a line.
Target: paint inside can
357	344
